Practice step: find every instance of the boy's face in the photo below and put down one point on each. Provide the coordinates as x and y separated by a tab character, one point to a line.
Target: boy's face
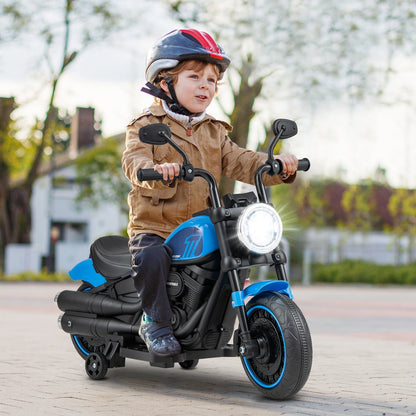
195	89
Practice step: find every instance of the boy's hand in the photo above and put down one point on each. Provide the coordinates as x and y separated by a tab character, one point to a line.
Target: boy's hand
290	164
168	170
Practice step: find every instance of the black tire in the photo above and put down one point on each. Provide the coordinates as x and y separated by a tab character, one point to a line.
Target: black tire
189	364
96	366
285	359
86	345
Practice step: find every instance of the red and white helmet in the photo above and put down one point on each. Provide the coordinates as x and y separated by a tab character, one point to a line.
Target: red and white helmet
181	45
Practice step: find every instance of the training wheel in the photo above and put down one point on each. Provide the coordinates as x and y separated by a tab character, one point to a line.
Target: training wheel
189	364
96	365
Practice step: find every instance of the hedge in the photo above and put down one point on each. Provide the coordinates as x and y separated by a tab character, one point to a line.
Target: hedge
363	272
345	272
35	277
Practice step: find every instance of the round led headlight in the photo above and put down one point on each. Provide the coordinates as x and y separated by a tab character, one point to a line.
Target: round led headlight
260	228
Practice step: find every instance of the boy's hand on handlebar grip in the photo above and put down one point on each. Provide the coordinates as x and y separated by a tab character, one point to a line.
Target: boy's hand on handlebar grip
168	170
289	162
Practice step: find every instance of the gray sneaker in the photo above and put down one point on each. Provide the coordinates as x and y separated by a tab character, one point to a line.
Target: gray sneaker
159	338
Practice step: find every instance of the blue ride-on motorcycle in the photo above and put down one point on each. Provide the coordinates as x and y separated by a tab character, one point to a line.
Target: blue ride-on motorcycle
213	253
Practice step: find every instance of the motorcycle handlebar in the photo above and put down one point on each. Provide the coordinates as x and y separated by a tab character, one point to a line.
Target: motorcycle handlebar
151	175
304	164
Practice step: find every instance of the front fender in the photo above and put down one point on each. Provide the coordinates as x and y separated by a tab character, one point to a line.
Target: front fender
254	289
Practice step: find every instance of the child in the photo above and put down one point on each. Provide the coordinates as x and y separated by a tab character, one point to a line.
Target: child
183	70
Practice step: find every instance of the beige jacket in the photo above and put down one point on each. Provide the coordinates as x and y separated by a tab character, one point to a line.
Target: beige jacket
157	208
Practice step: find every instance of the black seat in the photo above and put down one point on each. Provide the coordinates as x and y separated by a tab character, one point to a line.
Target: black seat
111	257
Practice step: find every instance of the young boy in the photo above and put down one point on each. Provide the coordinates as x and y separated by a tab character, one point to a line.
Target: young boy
183	70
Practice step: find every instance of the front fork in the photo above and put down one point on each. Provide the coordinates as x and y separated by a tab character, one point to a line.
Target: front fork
248	347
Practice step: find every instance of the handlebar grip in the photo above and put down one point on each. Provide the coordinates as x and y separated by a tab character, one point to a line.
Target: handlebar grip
304	164
148	175
152	175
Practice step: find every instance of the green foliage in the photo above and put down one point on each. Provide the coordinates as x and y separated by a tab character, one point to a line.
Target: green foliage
309	199
14	22
36	277
353	271
12	150
19	153
100	176
356	207
314	204
402	206
356	202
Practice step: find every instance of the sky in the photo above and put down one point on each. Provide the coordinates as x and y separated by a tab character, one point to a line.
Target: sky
349	143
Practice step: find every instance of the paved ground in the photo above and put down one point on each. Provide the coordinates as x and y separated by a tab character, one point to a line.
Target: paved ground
364	363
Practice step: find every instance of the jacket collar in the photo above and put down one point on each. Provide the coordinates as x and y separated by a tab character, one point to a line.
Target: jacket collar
182	118
178	128
157	110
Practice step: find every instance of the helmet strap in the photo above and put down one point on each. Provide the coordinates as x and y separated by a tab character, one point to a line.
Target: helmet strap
172	101
149	88
175	106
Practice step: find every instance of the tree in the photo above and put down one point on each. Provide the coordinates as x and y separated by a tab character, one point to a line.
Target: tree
100	176
7	105
356	203
12	19
77	24
402	206
312	52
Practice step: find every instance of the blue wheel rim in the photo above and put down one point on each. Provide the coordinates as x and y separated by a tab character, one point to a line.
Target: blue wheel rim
247	363
80	346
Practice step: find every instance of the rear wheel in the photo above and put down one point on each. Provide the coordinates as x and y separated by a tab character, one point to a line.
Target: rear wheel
85	345
284	363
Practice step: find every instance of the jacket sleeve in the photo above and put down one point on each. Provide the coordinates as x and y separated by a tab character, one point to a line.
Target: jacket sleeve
241	164
138	155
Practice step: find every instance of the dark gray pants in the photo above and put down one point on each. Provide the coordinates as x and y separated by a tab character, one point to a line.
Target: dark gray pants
150	268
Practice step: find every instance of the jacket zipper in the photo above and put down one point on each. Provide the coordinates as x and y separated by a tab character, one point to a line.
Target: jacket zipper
189	130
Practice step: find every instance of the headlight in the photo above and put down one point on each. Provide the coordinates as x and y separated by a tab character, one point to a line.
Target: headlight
259	228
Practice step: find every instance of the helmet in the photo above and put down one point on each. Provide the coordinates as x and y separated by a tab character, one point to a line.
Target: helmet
181	45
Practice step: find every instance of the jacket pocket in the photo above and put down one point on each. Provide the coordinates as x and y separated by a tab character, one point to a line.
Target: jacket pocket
156	195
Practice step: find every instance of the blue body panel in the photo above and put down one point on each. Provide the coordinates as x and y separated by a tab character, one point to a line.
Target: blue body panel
85	271
193	239
280	286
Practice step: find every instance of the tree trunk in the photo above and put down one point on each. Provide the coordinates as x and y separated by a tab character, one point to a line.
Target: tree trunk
4	223
242	114
7	105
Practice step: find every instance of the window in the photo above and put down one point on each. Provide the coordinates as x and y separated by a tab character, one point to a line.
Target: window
70	232
61	182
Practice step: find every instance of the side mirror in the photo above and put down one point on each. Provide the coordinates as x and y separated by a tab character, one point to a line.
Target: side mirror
155	134
158	134
284	128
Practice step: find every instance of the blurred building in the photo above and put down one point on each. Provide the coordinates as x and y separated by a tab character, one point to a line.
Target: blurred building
63	229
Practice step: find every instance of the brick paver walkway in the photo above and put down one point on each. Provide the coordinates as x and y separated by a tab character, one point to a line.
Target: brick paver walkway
364	363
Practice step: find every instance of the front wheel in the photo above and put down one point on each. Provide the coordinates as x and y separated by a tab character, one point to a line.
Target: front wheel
284	363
